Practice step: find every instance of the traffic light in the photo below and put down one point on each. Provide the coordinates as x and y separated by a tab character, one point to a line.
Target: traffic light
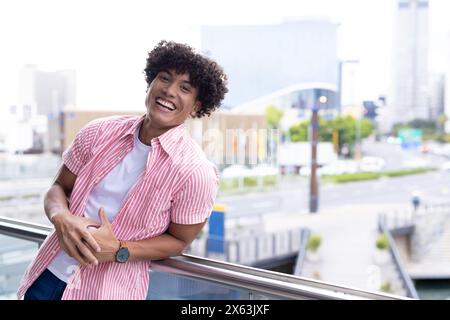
370	110
337	140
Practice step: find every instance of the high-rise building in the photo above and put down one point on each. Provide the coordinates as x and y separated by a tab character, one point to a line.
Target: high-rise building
410	88
436	86
260	60
447	88
47	93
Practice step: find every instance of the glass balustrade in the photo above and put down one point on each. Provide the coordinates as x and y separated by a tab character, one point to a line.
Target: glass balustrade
184	277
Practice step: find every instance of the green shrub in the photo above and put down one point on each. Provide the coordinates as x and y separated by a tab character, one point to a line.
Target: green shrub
361	176
314	242
270	180
386	287
382	242
408	172
250	181
349	177
228	184
445	138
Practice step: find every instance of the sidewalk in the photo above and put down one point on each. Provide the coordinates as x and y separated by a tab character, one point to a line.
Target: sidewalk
346	255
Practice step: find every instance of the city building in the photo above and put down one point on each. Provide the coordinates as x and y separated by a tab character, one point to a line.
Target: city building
410	91
47	93
436	97
296	101
295	52
447	88
225	138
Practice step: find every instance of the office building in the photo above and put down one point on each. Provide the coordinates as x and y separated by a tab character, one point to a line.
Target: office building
261	60
410	90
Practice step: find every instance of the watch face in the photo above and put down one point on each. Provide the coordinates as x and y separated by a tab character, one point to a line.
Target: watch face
122	255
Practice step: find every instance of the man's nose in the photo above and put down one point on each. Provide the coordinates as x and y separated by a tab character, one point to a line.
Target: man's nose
170	89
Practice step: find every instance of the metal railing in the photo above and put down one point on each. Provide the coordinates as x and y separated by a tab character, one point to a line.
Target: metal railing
253	248
403	221
302	252
24	230
406	279
282	285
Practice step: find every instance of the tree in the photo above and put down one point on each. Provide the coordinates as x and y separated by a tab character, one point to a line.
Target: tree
441	120
273	116
299	132
345	126
428	127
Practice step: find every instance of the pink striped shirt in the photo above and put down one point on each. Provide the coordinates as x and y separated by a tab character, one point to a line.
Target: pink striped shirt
179	185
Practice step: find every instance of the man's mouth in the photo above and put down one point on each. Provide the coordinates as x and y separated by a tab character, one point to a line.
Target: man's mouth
166	104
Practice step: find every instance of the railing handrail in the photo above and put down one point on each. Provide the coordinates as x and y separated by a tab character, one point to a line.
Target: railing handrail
410	288
24	230
305	234
258	281
270	282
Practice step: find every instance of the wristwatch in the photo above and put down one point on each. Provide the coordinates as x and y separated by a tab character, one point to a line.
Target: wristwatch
122	254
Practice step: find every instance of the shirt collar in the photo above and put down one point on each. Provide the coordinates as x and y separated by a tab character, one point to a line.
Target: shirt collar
133	129
168	140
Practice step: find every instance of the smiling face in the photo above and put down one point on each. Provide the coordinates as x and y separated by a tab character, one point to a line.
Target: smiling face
171	99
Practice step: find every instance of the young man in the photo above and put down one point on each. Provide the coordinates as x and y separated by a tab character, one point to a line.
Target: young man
131	189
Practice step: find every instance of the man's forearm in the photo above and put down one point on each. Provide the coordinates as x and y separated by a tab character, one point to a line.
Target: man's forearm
160	247
55	201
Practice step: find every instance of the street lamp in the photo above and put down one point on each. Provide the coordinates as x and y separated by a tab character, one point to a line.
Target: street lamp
358	150
314	183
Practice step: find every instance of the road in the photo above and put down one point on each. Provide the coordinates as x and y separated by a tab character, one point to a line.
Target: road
288	197
396	158
291	198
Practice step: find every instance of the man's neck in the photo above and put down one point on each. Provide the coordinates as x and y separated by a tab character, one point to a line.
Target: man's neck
148	131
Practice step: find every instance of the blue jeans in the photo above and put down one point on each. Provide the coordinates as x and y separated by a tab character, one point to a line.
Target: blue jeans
46	287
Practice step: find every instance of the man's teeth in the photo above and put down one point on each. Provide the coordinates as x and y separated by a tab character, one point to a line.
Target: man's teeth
166	104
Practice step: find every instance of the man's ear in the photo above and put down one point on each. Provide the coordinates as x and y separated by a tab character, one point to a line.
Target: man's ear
197	107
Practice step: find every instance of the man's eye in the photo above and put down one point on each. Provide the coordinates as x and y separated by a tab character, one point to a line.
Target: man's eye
164	78
186	89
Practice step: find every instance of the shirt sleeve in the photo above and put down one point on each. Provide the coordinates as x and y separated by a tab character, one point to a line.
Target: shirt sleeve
194	202
79	152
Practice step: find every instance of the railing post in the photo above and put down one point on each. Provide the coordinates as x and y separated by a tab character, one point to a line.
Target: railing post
238	251
274	247
257	248
290	241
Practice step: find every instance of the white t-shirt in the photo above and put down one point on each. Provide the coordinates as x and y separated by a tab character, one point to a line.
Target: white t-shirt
109	194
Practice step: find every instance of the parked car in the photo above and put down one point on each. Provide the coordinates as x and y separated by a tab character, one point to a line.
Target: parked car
339	167
445	166
235	171
372	164
264	170
416	163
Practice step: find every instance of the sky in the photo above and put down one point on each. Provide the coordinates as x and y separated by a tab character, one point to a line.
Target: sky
106	42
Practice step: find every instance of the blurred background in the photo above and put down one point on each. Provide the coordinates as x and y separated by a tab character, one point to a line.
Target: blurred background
333	142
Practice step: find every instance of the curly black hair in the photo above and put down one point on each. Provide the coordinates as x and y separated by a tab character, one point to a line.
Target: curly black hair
205	74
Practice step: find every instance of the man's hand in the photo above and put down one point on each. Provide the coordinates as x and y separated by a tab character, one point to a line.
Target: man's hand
106	239
74	237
